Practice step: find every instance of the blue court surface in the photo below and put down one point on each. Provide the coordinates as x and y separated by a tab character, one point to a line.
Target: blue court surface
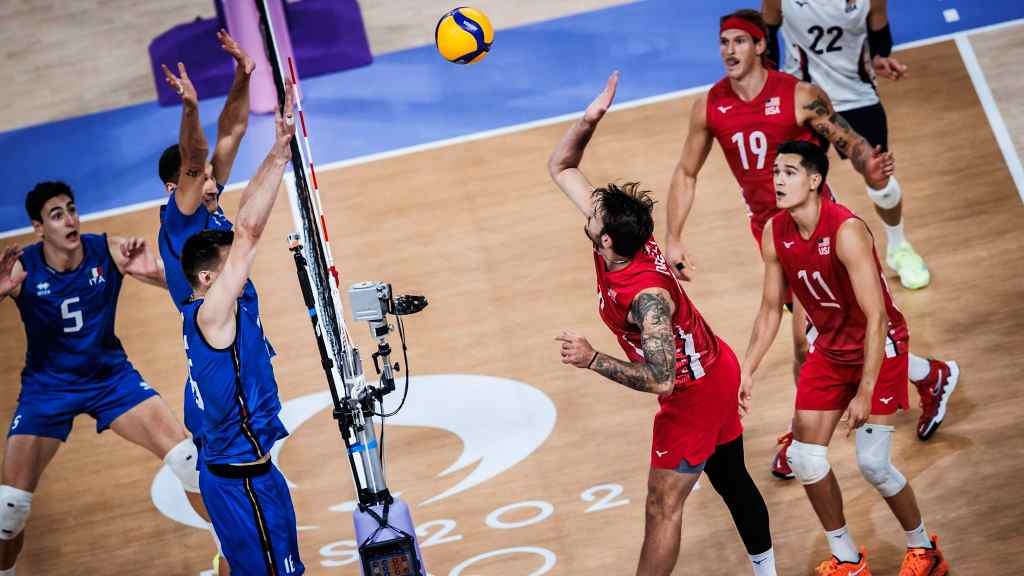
413	97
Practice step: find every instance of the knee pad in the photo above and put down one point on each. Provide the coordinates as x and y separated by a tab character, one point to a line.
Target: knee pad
888	197
183	461
809	462
873	449
15	504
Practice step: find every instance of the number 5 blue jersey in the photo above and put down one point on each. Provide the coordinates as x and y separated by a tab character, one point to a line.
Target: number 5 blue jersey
234	389
69	318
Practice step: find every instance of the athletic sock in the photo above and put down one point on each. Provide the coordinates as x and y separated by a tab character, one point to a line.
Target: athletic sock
894	235
764	563
8	572
919	368
842	545
918	537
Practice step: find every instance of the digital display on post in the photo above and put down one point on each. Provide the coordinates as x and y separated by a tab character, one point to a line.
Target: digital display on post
393	565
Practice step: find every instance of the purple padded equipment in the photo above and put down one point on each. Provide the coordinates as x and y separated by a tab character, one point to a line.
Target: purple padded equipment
326	36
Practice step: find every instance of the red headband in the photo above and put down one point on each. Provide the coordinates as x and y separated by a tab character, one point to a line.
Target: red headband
735	22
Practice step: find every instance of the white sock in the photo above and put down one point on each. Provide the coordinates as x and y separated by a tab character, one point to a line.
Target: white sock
764	563
918	537
919	368
842	545
894	235
8	572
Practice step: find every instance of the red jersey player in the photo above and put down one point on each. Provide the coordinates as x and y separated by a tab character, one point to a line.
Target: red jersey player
750	112
672	353
826	255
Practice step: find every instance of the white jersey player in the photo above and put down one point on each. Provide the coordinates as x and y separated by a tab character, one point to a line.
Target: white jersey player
840	45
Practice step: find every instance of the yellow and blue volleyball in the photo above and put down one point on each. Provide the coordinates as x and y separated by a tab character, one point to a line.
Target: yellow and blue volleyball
464	35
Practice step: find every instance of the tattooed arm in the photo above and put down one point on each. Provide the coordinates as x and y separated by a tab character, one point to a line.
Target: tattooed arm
652	309
814	108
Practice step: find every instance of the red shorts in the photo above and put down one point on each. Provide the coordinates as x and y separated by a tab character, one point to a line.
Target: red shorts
695	420
825	385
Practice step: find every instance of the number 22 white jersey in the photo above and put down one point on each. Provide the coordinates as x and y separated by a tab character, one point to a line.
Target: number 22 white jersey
827	44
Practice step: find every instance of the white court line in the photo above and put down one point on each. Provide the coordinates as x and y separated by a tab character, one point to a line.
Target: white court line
519	128
995	119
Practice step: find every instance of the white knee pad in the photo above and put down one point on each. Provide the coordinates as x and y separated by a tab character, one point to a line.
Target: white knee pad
888	197
183	460
809	462
15	504
873	447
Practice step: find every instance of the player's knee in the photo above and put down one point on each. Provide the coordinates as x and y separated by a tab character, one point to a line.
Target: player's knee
662	503
809	462
888	197
15	505
873	458
182	460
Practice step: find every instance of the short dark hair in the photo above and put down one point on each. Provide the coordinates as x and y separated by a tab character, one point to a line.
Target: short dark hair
750	15
812	157
39	195
170	164
625	216
202	252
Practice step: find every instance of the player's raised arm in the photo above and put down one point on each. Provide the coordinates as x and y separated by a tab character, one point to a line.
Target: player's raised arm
652	310
217	315
133	257
191	142
855	250
563	165
683	188
814	108
880	42
769	315
234	118
11	272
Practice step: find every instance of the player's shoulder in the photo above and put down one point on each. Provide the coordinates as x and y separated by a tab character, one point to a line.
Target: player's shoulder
719	90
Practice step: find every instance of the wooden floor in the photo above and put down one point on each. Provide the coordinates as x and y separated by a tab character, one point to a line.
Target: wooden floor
66	58
480	230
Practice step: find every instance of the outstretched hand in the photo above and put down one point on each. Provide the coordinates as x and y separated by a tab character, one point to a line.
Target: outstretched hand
746	392
9	279
880	166
181	84
285	123
596	110
229	45
679	260
138	260
575	349
888	67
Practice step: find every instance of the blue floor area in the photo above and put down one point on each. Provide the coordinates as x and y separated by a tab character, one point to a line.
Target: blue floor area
413	96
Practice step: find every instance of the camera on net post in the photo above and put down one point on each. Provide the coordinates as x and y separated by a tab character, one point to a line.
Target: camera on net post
372	302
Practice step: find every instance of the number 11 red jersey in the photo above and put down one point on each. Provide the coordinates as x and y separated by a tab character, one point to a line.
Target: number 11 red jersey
820	281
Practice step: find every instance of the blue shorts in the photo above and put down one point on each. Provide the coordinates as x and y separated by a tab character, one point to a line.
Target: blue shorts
44	411
251	516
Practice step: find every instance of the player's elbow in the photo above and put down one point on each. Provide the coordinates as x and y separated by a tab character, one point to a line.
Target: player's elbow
249	229
555	166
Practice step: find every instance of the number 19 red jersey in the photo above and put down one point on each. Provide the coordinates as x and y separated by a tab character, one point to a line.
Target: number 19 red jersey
820	281
696	344
749	134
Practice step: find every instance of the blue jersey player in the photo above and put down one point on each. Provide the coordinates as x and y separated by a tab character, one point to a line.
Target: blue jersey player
233	382
195	185
66	288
